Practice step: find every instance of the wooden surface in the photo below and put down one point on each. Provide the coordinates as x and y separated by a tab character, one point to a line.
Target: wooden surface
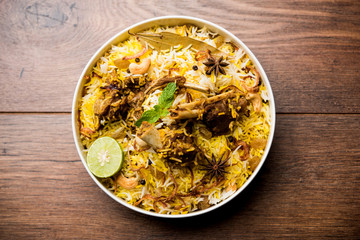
309	186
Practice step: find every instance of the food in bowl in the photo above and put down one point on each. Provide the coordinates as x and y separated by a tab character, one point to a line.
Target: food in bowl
189	110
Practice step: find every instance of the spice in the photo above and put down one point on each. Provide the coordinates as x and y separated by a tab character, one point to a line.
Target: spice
195	67
216	168
149	162
142	182
215	65
137	60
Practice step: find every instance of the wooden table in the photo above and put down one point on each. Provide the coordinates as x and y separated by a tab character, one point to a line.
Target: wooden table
310	184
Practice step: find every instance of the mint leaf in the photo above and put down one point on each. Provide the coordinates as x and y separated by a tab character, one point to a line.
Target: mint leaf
150	116
167	96
160	110
164	113
157	108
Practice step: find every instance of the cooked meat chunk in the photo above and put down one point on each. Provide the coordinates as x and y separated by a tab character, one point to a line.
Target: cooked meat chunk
218	116
134	83
217	112
162	82
119	98
110	105
102	105
136	99
179	145
196	108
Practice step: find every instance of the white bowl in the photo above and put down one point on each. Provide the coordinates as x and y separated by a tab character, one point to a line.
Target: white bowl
123	35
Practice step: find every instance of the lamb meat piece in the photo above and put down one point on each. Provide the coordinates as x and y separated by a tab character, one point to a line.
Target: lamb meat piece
182	145
162	82
196	108
135	100
110	105
120	97
118	106
102	105
218	116
133	83
217	112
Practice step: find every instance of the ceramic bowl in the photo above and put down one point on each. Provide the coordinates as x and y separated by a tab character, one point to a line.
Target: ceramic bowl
172	21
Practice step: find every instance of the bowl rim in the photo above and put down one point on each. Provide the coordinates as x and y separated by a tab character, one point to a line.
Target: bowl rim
148	23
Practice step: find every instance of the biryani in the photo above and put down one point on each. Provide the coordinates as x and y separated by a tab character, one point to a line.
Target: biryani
190	111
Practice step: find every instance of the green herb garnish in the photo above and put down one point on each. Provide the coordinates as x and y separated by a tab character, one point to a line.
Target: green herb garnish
160	110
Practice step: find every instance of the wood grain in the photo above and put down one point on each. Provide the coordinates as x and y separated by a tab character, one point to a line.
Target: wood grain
309	49
308	187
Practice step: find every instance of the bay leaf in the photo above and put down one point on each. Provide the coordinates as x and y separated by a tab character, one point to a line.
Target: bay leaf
166	40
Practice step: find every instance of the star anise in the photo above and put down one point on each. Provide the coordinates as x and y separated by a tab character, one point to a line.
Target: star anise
216	168
215	65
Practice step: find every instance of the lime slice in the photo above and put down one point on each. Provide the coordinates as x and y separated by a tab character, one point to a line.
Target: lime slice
105	157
